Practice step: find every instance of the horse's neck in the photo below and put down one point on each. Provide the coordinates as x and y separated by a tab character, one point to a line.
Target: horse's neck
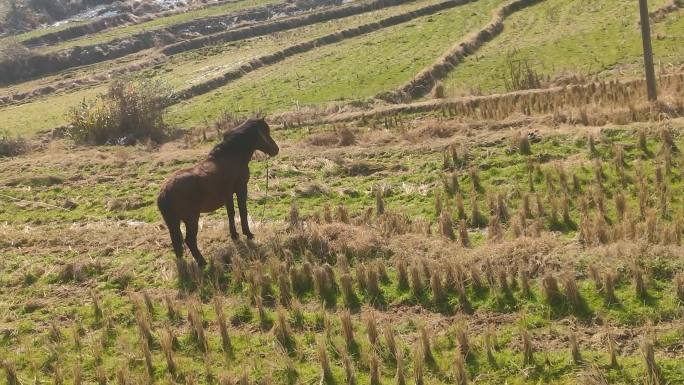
237	159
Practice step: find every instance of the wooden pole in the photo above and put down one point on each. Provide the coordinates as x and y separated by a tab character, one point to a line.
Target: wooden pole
648	51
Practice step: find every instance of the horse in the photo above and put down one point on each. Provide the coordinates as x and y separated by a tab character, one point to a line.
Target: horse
212	183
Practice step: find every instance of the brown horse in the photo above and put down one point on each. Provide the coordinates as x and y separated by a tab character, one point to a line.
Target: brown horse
211	184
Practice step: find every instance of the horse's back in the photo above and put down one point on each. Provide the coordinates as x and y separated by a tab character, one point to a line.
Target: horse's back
194	190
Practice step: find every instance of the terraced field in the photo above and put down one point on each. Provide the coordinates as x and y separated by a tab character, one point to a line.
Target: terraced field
558	37
524	237
342	71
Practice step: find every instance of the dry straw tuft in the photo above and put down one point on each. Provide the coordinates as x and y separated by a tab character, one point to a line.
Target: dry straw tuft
446	226
609	287
612	351
374	370
438	90
402	275
223	325
438	293
10	373
572	293
653	375
418	363
347	329
390	342
349	374
527	348
425	344
416	279
166	342
574	349
348	290
460	374
550	288
463	233
399	377
639	283
147	354
197	326
371	328
326	372
679	286
282	332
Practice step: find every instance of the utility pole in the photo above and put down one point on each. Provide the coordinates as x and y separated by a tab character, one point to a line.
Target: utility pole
648	51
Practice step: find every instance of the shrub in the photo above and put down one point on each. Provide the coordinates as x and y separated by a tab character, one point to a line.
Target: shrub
130	111
12	146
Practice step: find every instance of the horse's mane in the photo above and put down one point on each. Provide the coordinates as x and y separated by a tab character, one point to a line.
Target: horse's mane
240	138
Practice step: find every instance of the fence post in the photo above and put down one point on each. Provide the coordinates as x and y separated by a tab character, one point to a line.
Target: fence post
648	51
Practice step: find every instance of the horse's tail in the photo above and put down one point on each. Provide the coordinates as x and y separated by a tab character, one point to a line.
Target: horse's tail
172	222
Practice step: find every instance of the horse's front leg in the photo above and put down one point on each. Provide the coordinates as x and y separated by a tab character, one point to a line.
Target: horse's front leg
230	209
242	207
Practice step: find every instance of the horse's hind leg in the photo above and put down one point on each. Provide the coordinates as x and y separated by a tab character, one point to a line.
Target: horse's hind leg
191	240
176	237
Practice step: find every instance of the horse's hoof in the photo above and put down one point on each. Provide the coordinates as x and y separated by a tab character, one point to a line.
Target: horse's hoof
249	235
234	236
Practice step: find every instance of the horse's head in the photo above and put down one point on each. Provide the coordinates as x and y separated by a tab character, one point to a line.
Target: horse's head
264	142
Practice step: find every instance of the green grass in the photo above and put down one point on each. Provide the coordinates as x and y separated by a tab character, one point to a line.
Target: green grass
43	114
343	71
577	36
121	255
179	72
191	67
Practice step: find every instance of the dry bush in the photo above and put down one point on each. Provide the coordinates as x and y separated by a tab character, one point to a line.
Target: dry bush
520	75
130	111
438	90
12	146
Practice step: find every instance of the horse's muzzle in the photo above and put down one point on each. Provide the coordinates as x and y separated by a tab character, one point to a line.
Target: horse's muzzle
273	150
